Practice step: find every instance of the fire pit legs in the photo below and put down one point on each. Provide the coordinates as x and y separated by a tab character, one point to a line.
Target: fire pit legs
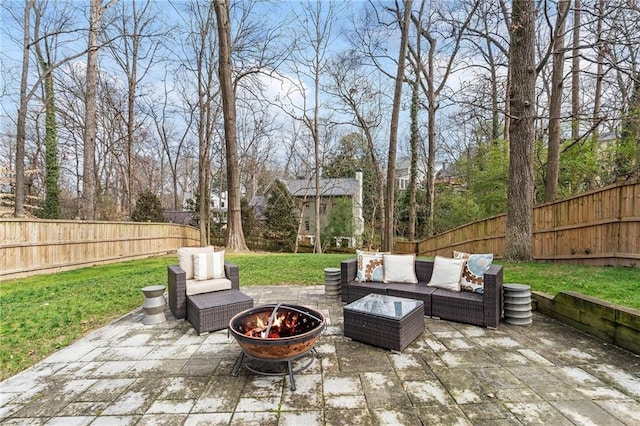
244	359
272	334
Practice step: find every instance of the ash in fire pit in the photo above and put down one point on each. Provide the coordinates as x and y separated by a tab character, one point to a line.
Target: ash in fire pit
276	333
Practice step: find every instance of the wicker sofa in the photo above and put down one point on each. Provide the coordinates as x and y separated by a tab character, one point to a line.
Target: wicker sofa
466	307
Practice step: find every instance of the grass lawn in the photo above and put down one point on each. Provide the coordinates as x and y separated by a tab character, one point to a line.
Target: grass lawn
41	314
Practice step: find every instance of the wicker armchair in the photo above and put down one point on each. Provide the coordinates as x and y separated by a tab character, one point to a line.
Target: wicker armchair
210	310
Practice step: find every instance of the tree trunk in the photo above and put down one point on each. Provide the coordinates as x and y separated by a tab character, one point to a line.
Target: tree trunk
555	105
317	245
597	96
22	114
415	107
87	206
51	208
519	226
387	240
575	74
234	237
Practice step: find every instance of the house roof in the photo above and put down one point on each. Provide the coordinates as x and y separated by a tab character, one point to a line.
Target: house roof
328	187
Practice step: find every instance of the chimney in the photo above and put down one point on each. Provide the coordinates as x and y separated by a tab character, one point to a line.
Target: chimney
358	218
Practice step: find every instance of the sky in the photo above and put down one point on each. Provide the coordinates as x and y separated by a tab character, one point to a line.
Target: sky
172	12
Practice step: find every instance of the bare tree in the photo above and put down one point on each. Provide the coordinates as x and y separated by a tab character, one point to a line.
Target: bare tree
308	64
22	113
355	90
235	236
173	139
575	73
520	192
555	104
97	10
388	234
133	41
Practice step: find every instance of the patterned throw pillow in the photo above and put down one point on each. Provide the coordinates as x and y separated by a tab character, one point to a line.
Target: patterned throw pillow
473	273
370	266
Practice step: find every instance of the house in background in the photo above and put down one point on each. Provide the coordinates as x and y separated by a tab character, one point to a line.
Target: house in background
303	192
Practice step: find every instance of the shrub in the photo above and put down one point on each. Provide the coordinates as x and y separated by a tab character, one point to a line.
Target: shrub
148	208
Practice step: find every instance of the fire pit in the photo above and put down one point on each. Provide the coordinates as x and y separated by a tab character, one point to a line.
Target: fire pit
275	334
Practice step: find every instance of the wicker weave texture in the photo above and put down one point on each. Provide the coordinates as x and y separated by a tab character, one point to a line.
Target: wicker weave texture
389	333
177	287
213	311
483	310
461	306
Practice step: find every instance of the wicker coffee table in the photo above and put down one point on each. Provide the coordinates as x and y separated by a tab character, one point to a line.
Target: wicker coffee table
386	321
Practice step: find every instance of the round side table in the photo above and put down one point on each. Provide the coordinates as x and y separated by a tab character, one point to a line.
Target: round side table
517	304
153	305
332	288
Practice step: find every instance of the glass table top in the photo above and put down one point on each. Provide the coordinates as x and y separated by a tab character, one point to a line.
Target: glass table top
387	306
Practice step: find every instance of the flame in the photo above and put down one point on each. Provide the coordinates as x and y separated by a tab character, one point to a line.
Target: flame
278	321
284	324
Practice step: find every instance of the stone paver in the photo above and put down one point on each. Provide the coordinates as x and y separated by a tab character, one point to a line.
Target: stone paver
131	374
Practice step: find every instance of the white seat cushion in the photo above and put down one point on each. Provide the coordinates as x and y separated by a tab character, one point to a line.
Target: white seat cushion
185	258
207	286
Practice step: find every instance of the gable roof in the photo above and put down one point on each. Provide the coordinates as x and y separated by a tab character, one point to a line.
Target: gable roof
328	187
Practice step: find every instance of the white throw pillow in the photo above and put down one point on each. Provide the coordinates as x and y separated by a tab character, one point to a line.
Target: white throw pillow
207	266
400	268
218	265
185	258
446	273
203	266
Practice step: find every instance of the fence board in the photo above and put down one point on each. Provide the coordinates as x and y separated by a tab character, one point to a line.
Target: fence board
600	227
29	247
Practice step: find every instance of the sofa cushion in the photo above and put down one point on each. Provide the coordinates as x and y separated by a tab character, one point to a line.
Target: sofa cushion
446	273
185	258
413	291
207	286
370	266
473	272
399	268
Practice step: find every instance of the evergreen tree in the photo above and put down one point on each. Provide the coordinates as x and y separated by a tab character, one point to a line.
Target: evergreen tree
281	224
148	208
339	222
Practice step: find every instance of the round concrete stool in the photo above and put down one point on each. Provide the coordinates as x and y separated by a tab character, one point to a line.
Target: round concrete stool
517	304
332	288
153	305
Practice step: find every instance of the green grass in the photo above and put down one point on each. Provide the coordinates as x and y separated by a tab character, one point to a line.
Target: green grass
619	285
41	314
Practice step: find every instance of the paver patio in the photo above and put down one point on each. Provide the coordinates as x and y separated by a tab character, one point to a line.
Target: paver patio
128	373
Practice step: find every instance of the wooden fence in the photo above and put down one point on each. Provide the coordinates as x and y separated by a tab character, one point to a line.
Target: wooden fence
29	247
599	227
